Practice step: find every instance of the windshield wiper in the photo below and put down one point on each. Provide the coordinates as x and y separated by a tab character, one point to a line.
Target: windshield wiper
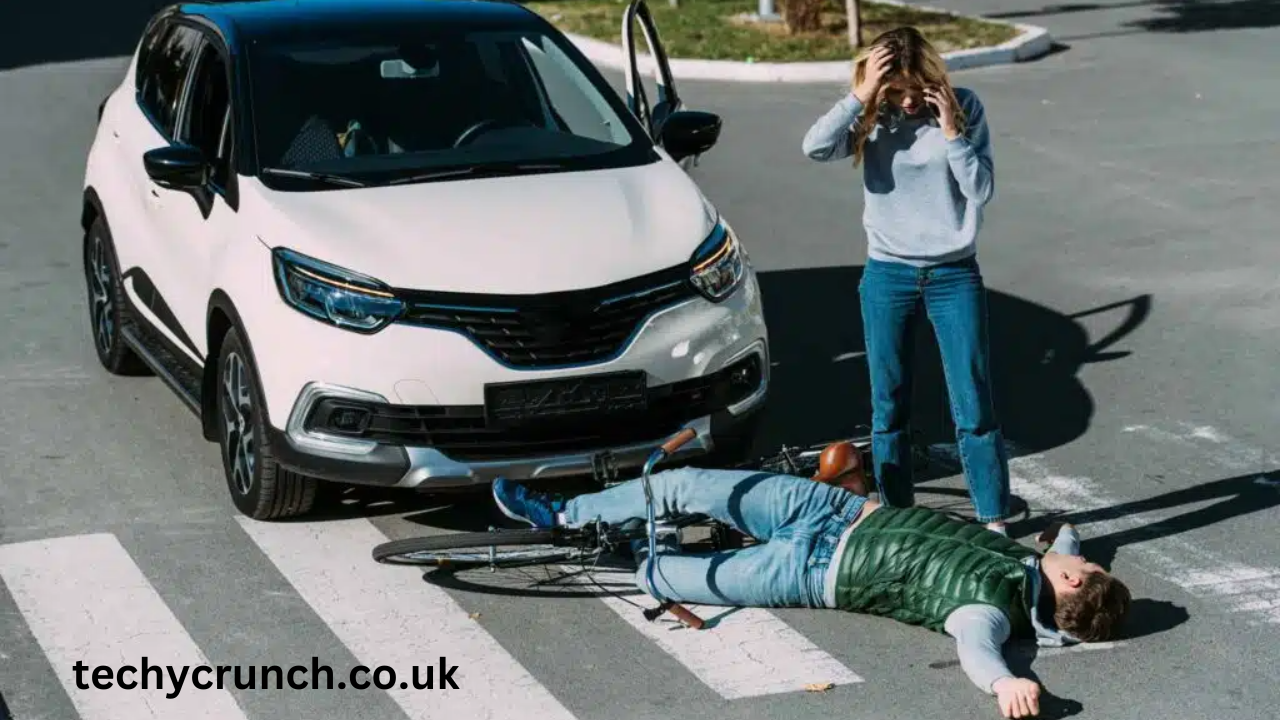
478	170
323	177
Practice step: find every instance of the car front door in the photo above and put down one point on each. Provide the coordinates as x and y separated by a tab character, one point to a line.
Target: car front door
697	131
154	280
668	99
193	223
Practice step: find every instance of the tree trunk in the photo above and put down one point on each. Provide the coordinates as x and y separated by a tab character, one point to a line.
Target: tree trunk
853	10
803	15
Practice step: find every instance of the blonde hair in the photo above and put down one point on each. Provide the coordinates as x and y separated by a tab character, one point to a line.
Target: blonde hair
914	62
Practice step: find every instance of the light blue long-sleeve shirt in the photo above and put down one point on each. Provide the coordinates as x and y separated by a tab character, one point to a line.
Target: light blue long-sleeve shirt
980	631
924	194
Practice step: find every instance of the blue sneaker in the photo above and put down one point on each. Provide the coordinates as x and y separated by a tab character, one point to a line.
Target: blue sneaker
519	503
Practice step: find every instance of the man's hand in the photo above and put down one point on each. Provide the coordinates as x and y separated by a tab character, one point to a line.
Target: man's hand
1050	535
1018	697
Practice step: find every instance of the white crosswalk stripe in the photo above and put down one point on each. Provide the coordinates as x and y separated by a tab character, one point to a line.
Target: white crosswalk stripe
1232	587
386	616
748	653
87	602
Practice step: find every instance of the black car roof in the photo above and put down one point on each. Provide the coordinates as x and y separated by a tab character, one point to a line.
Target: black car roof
243	21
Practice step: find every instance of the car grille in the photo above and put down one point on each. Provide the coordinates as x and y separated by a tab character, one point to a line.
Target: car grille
555	329
462	433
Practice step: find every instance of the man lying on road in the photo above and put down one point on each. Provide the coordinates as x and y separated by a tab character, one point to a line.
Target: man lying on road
824	546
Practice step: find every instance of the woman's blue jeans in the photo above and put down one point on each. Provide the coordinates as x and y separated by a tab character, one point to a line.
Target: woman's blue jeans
953	297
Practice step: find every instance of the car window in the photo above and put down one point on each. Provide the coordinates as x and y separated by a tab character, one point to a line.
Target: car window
156	35
569	95
164	75
390	108
207	121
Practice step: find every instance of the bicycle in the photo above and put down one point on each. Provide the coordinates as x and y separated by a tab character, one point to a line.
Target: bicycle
502	548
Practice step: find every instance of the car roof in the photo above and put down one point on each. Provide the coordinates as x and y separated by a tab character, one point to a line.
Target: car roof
242	21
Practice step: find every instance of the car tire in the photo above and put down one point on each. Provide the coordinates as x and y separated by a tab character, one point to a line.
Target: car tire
108	307
260	488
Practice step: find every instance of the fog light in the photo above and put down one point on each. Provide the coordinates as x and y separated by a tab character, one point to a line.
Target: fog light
349	420
338	416
746	374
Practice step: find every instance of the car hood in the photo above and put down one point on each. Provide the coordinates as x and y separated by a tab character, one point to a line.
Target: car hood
524	234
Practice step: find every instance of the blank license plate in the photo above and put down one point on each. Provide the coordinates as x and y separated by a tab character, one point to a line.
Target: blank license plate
565	398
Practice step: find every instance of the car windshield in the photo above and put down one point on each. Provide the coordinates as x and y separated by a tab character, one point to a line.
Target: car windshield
420	107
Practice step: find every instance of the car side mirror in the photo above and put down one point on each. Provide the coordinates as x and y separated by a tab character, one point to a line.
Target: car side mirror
177	167
690	132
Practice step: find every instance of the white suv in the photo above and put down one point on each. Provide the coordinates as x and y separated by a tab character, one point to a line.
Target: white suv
414	244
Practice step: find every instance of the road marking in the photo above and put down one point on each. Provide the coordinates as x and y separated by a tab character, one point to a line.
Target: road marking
1246	589
387	615
1234	587
743	652
42	376
1042	652
1030	651
1226	451
85	600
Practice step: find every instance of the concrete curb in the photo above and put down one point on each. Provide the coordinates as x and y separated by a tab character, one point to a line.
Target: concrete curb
1032	42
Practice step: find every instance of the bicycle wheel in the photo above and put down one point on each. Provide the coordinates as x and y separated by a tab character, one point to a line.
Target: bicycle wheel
500	548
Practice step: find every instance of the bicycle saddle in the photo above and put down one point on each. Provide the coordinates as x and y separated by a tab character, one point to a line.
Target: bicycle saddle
840	464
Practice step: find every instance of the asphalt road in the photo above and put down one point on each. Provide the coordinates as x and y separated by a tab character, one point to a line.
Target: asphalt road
1133	271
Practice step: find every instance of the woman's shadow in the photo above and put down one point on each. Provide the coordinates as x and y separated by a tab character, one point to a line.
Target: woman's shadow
820	385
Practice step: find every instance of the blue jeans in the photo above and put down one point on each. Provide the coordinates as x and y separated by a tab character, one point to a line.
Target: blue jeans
954	299
798	523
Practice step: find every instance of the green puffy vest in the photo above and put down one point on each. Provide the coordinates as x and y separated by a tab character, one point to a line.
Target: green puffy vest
916	565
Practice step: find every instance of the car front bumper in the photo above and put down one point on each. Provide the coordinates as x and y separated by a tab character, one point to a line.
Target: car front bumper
423	467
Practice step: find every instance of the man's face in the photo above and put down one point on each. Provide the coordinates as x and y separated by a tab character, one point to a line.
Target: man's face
1070	571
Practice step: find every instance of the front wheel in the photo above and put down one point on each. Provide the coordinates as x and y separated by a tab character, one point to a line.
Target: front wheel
108	312
259	487
504	548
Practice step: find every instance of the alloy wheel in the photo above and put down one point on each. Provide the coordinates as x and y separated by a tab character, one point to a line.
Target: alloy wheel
101	300
238	423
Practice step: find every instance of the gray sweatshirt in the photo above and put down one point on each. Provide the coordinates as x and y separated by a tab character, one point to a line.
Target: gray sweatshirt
924	195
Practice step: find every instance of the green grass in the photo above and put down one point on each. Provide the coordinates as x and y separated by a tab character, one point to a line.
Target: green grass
711	30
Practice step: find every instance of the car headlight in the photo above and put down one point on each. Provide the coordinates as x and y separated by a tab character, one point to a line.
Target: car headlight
719	264
334	295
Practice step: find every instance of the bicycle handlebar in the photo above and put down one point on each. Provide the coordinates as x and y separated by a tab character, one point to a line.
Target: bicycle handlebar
682	613
679	440
685	616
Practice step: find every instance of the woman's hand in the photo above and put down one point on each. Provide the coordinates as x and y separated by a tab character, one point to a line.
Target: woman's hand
1018	697
946	113
878	64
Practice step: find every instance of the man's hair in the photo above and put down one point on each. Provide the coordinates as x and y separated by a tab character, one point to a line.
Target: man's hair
1096	610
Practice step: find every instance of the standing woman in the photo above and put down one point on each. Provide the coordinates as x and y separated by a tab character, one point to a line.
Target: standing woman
927	174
